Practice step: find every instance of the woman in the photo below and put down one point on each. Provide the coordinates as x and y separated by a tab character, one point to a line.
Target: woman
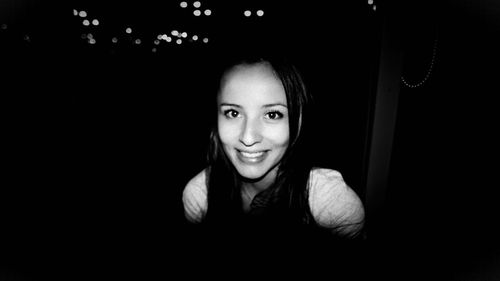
259	174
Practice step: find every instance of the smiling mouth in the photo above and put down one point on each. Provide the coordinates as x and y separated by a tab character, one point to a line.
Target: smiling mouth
251	157
252	154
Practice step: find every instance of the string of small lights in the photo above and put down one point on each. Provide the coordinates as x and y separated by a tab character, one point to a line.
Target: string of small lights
429	70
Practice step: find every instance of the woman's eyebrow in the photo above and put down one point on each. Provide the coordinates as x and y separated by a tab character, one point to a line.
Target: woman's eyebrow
264	106
274	104
230	104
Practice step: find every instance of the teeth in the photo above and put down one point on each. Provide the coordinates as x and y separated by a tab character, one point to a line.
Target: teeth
252	154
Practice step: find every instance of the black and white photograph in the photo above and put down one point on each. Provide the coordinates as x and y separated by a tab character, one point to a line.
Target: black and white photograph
156	140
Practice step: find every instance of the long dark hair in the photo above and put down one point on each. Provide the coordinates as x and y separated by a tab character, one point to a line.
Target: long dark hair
288	196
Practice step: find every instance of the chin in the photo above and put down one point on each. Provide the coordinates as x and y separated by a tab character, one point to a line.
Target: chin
255	173
251	175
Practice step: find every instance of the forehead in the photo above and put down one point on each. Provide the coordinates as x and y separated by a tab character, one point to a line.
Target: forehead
256	81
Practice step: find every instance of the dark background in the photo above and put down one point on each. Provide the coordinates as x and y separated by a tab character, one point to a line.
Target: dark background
99	140
442	211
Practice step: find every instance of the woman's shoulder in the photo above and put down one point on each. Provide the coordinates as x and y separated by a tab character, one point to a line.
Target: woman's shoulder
198	181
325	174
333	203
326	180
194	197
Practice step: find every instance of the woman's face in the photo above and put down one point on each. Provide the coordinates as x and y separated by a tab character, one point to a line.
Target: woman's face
253	120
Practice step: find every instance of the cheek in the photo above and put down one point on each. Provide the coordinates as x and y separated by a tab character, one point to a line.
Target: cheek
280	136
227	132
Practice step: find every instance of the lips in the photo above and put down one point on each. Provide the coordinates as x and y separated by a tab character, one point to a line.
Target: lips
251	157
252	154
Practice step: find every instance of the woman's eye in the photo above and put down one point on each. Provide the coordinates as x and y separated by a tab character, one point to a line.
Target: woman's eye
230	113
273	115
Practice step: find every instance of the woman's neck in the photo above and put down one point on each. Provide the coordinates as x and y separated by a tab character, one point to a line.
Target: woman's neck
249	189
253	188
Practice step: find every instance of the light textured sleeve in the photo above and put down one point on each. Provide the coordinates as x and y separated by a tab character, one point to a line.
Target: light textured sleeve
334	205
194	198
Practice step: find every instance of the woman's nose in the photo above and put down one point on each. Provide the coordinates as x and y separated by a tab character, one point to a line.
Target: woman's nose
251	132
